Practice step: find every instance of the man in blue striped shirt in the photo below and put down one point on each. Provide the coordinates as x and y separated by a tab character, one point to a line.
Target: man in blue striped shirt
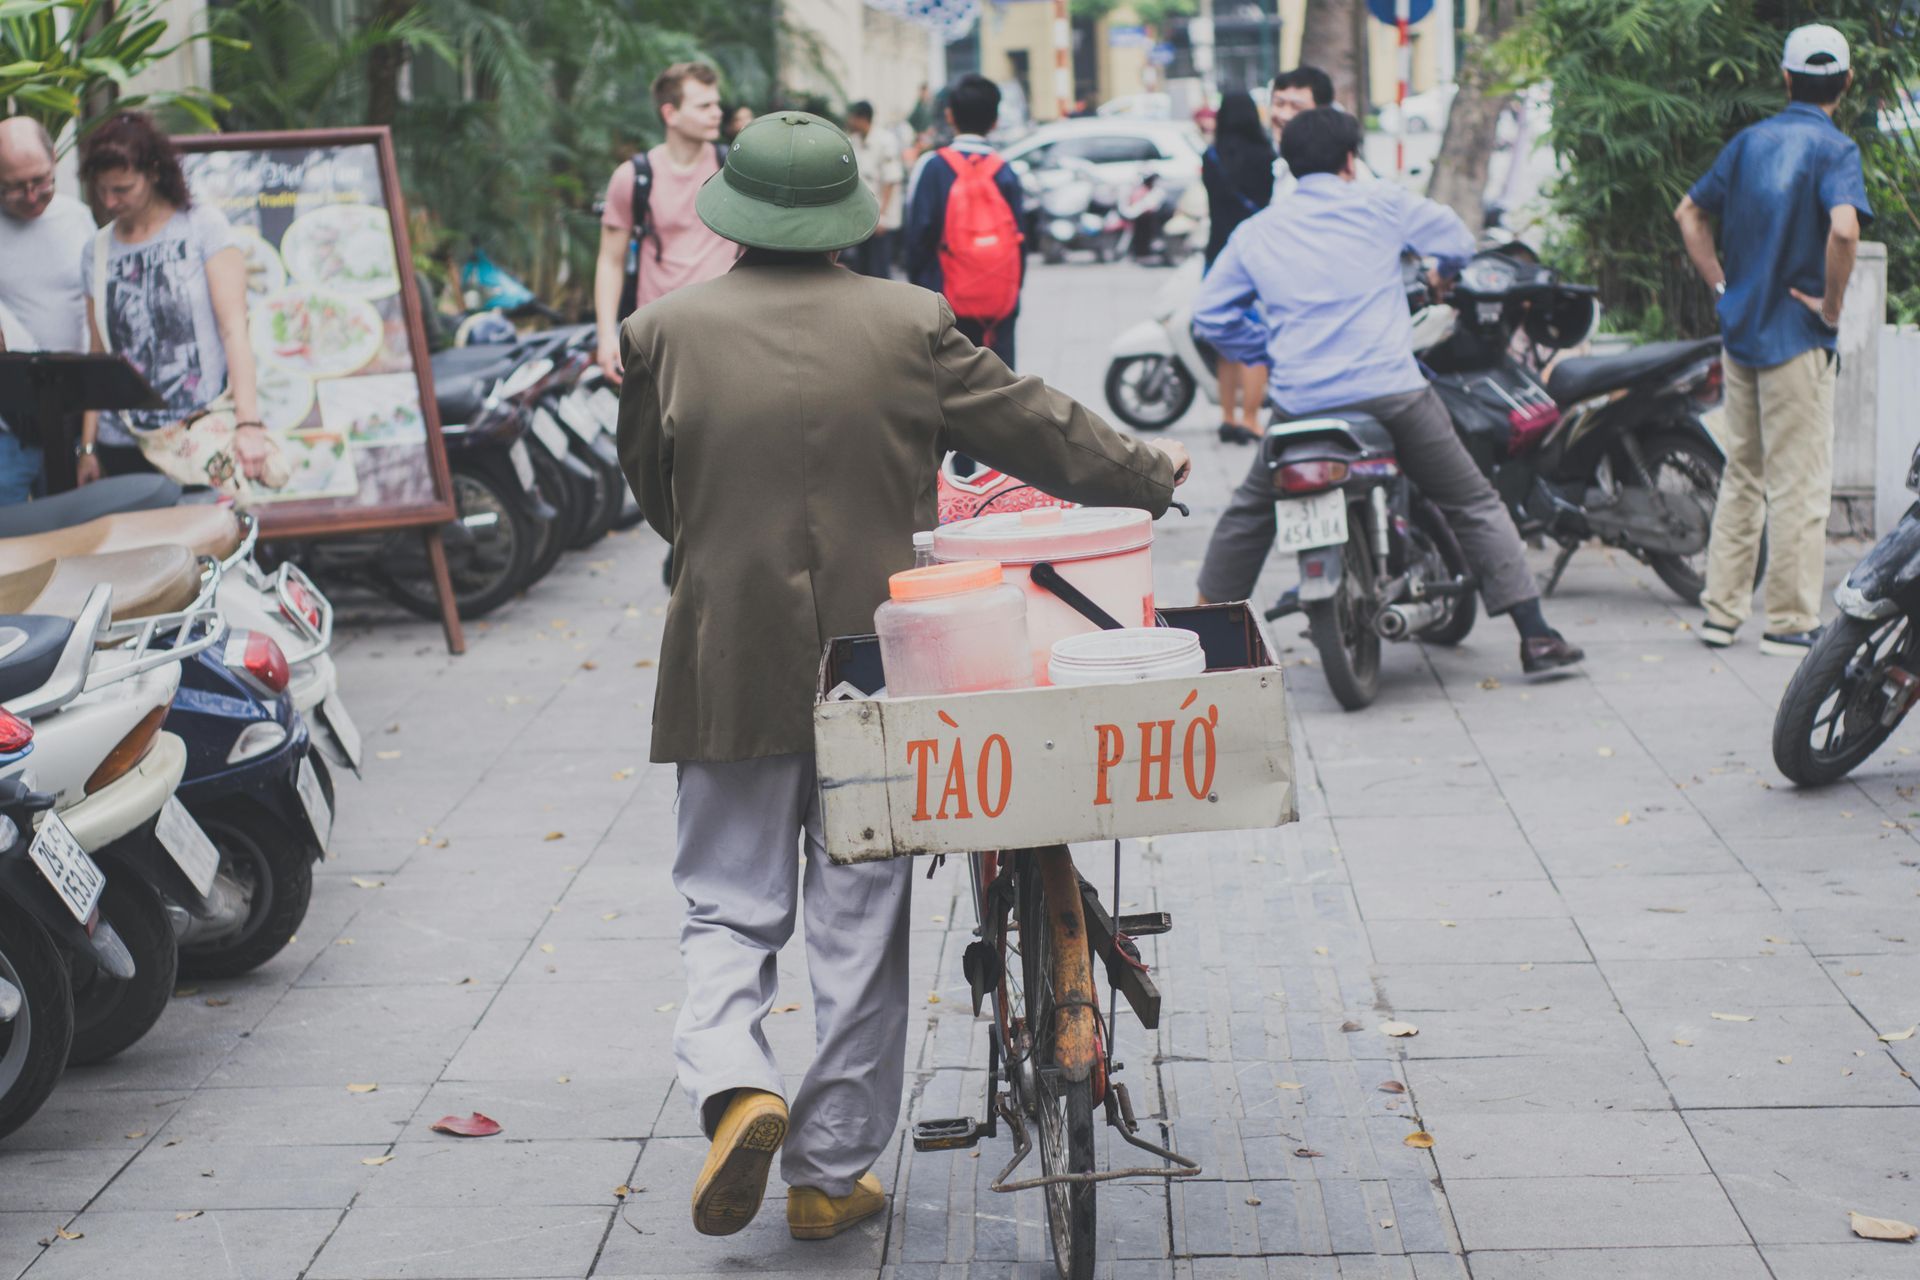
1323	265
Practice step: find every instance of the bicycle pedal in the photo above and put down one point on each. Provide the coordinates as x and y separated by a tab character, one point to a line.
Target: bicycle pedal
948	1135
1144	924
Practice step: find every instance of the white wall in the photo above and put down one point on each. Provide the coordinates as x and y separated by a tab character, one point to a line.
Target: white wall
1898	422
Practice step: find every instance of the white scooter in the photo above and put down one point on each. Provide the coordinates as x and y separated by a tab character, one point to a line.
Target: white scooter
1156	367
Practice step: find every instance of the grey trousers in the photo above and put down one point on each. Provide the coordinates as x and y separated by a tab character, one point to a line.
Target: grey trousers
739	827
1436	461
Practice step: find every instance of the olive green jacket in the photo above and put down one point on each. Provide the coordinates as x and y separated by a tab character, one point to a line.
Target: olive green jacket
782	426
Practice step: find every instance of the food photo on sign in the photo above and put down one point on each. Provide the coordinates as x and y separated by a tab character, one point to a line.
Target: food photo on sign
339	389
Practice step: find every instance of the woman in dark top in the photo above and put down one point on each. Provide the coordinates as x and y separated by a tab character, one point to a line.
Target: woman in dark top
1238	173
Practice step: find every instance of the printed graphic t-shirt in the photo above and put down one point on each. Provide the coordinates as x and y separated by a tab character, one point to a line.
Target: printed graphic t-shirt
160	317
687	252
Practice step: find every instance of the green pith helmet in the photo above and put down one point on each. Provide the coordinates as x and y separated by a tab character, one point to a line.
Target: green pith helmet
790	184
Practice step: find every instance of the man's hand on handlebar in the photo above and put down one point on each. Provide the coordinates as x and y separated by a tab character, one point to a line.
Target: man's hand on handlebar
1177	455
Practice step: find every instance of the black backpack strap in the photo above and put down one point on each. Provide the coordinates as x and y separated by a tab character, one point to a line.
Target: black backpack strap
720	153
643	200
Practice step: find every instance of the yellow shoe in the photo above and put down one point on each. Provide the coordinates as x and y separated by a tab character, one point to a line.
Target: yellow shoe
731	1183
812	1214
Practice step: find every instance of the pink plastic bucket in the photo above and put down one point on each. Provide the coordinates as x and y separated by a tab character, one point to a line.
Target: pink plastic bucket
1106	552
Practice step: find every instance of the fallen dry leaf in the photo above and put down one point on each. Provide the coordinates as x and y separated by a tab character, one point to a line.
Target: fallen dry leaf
1684	1044
1421	1139
621	775
1607	752
386	755
470	1126
668	1007
563	1079
610	915
1392	1086
589	665
1733	1017
1320	951
1786	1061
1779	942
933	997
644	663
138	1133
1399	1029
1880	1228
1623	819
1350	1026
1307	1153
622	1191
65	1234
362	1088
362	882
1290	1084
547	947
343	942
786	1008
1527	967
1448	924
551	836
1854	973
181	993
376	1161
1490	684
1892	1036
219	1002
188	1216
1253	1200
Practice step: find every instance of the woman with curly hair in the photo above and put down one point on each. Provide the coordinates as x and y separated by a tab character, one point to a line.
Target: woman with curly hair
175	298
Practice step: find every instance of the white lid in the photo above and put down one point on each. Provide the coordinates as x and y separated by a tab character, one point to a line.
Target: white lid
1045	533
1132	653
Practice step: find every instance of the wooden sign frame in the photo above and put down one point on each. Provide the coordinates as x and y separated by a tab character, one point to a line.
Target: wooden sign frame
319	517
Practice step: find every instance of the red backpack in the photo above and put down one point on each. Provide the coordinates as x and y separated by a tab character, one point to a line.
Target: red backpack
980	247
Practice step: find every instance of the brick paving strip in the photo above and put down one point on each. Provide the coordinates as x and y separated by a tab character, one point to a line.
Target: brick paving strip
1559	884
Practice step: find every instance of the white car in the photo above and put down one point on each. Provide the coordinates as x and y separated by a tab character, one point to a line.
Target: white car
1119	150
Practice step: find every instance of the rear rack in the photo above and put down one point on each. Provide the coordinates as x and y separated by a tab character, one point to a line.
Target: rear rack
194	630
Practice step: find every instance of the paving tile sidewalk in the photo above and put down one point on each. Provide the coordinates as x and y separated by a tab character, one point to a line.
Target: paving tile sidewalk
1560	884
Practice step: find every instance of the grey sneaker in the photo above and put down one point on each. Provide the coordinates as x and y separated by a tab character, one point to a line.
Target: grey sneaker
1715	636
1789	644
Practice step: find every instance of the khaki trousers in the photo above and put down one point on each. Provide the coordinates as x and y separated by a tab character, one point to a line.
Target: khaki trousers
1779	441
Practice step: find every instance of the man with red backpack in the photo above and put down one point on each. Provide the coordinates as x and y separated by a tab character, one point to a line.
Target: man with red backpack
963	222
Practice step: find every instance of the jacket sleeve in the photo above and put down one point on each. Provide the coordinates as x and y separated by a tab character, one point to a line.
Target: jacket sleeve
1022	426
646	443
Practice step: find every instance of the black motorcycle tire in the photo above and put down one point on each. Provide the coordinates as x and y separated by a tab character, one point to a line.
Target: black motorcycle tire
479	596
609	490
1349	647
278	859
560	488
1052	252
1463	611
34	1046
1681	578
1175	405
109	1015
1823	674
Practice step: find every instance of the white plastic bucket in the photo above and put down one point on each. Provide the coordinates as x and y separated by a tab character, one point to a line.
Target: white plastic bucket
1135	653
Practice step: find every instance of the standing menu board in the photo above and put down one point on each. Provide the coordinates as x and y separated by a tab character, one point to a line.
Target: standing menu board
344	380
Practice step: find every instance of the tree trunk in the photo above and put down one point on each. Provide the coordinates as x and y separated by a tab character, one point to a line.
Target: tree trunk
385	62
1331	40
1466	149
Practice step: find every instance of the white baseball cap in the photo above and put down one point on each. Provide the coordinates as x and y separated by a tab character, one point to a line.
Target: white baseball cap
1809	42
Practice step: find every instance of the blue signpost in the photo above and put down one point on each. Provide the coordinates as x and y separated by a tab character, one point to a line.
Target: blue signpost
1417	10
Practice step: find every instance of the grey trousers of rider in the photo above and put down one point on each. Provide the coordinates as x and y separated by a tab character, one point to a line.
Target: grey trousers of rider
1439	465
740	825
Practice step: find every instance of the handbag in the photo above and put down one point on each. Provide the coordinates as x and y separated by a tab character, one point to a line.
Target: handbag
198	449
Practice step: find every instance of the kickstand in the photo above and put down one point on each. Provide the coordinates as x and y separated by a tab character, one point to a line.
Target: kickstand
1559	567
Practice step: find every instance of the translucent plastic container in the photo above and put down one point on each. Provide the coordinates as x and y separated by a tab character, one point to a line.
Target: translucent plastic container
1136	653
953	628
1105	552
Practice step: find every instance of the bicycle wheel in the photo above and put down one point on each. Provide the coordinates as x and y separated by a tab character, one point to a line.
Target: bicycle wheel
1061	1109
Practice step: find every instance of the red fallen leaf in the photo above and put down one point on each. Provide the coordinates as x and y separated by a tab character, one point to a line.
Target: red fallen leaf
473	1126
1392	1086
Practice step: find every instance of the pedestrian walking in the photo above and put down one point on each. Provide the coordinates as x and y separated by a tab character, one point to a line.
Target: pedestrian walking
1323	267
651	241
1237	171
42	234
964	219
783	427
1790	196
166	287
877	152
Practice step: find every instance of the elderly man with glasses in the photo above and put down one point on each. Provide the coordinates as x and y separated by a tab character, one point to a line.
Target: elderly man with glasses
43	236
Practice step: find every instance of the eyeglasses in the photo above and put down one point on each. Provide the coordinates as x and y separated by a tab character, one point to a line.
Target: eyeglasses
27	186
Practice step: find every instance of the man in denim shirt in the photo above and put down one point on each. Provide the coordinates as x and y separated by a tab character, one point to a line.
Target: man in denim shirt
1790	197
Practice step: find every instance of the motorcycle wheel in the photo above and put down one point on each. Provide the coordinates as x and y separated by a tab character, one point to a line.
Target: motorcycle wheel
608	489
34	1046
561	492
1684	464
1829	720
1149	393
1343	633
108	1014
1052	252
1462	611
494	570
272	866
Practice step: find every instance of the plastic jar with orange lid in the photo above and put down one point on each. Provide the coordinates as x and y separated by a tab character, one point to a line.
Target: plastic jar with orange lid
953	628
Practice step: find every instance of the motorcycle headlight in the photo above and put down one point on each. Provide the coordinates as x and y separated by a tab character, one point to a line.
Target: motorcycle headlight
1063	230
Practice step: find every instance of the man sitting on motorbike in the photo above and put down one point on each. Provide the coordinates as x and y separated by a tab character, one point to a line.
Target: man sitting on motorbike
1324	266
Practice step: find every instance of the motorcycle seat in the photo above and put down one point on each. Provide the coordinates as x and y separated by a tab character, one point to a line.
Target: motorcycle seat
147	581
462	376
77	506
30	648
1357	430
1583	377
210	530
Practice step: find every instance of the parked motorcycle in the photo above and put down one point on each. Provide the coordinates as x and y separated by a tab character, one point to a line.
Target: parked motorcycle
1862	675
36	989
1377	560
1157	366
1078	211
1163	220
1608	447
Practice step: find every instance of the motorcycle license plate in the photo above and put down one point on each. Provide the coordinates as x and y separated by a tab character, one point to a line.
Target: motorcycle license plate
314	800
606	408
67	867
1306	523
550	433
333	713
187	845
522	464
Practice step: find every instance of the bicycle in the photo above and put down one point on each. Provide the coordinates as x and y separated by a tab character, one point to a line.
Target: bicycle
1048	1038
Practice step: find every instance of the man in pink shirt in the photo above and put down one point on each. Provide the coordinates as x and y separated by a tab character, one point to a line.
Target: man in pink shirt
674	246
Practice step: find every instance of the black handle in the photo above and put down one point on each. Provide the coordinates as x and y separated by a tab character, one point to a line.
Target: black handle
1049	578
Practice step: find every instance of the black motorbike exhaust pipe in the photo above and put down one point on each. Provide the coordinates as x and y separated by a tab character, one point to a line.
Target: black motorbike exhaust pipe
1398	621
